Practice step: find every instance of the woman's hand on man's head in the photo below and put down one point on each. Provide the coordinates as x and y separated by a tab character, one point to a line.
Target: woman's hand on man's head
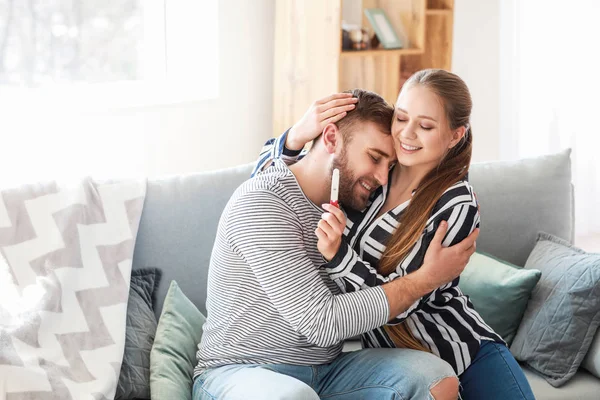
321	113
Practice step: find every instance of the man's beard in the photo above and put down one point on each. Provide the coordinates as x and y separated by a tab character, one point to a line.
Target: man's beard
348	181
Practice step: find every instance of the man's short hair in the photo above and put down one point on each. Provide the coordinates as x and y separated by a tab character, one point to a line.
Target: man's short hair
371	107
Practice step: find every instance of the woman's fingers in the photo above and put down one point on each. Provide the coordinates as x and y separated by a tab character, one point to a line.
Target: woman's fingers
333	119
336	225
338	214
332	112
320	234
328	229
334	96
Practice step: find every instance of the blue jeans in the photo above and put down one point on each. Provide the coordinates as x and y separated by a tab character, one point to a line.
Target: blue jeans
494	374
397	374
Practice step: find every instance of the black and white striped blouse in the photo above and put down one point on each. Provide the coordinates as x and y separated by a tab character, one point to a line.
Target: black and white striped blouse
268	300
444	321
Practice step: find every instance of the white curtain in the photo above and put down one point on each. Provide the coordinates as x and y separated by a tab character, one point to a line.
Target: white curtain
550	92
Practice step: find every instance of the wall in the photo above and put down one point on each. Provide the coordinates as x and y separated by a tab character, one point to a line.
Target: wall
476	58
228	130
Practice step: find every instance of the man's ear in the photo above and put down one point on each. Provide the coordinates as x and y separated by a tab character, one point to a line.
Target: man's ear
457	136
331	138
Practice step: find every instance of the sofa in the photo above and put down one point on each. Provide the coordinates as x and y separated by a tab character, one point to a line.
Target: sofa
517	200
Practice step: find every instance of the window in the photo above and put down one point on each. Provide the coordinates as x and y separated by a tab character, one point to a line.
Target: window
110	53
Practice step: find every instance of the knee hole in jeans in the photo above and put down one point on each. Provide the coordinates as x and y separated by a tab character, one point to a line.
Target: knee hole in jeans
445	389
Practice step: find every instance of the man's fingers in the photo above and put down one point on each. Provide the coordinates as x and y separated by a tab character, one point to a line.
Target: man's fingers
473	248
333	97
439	234
469	240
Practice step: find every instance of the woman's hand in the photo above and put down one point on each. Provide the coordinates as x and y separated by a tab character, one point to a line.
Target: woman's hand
320	113
330	230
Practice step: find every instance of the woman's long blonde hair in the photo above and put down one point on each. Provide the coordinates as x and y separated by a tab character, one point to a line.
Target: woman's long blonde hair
454	96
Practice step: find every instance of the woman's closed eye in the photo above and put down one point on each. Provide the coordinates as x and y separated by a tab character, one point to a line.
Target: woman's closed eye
403	120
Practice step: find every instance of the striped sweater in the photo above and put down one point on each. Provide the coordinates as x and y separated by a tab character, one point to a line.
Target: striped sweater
268	300
445	320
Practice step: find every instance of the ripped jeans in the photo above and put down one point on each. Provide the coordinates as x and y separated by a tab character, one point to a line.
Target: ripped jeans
397	374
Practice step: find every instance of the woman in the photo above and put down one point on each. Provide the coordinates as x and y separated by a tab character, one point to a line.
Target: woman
433	143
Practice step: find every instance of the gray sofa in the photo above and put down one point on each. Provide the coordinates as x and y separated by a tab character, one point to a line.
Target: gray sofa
517	200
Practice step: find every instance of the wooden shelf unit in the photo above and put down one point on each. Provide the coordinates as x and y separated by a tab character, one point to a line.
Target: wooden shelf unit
309	62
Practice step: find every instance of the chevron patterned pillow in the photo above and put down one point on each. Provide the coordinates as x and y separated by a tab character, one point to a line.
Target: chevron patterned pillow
65	267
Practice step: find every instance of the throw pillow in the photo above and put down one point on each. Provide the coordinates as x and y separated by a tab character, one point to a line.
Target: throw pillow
134	380
499	291
173	355
563	314
65	266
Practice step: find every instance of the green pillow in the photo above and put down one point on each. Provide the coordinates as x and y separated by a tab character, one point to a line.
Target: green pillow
173	355
499	291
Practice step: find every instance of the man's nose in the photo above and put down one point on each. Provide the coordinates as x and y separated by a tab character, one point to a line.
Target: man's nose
382	174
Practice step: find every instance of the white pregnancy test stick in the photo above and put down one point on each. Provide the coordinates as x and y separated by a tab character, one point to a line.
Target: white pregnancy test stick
335	187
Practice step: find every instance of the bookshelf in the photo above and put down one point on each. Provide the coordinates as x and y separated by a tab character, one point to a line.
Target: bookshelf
309	62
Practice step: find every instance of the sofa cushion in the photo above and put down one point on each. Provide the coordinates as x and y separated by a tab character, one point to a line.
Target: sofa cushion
499	291
582	386
134	379
179	225
520	198
173	355
591	362
563	314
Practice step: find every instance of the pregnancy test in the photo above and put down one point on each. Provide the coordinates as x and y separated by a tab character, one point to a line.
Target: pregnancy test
335	186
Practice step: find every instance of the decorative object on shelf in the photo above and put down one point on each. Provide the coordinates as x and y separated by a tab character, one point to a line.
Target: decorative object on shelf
359	39
383	28
355	38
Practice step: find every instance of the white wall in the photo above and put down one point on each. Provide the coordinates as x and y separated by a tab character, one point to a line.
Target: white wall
197	136
229	130
476	59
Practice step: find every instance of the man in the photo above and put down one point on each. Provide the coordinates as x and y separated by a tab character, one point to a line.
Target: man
276	322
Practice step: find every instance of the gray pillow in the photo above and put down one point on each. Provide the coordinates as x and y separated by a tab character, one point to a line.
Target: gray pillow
563	313
134	380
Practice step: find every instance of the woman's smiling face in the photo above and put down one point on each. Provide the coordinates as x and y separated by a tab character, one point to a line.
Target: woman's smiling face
420	129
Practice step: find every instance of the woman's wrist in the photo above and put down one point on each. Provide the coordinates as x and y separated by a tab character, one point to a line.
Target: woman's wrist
291	143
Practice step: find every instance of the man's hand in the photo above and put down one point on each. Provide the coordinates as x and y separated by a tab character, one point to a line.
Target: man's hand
320	113
330	230
444	264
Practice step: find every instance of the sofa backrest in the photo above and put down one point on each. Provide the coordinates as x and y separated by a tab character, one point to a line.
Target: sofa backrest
520	198
178	228
181	214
